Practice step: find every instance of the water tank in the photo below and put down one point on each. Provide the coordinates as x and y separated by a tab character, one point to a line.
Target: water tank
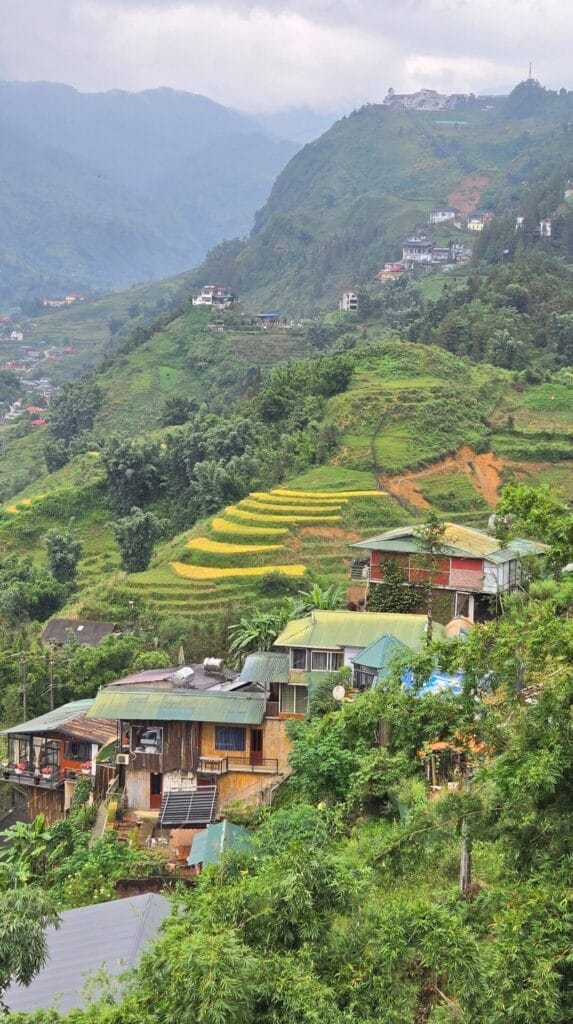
183	677
213	666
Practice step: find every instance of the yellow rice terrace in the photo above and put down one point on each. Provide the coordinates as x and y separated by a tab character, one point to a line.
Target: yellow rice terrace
283	532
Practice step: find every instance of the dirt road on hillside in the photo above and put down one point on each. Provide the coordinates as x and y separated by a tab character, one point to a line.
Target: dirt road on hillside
484	472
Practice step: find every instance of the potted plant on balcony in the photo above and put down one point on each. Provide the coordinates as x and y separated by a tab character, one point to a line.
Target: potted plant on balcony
19	767
6	771
86	768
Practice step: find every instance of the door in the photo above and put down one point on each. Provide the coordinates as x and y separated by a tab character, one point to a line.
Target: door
155	790
256	753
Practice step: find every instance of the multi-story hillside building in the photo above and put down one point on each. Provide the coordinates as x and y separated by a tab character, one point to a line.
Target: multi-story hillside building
473	570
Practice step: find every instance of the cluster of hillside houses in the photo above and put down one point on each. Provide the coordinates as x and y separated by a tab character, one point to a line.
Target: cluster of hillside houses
183	742
180	744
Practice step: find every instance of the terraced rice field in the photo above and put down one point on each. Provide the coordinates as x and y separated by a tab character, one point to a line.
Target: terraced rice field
284	531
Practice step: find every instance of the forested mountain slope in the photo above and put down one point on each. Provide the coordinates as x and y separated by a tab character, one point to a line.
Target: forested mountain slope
344	203
100	190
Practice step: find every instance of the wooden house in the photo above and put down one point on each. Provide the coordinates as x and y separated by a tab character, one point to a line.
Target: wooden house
190	740
47	755
473	569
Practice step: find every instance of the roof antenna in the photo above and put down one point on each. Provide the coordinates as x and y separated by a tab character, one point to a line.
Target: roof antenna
530	71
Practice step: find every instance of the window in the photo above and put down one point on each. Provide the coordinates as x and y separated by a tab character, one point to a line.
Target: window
364	678
294	699
147	739
298	658
230	738
319	661
326	661
77	751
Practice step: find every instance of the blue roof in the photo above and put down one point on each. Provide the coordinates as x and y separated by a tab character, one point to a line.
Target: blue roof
449	683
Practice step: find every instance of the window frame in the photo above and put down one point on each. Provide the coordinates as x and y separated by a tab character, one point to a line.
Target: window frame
227	742
298	650
334	660
83	756
299	702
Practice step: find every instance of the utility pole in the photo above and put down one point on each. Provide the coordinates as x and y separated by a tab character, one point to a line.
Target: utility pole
466	850
51	680
24	670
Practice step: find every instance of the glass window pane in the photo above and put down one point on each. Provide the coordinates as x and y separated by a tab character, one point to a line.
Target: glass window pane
336	660
298	658
230	737
301	699
319	661
287	699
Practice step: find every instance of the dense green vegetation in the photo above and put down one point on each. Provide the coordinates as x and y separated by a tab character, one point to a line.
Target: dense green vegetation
344	203
348	907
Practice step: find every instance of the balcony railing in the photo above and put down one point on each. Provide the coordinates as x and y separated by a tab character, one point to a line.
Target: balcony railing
238	763
41	779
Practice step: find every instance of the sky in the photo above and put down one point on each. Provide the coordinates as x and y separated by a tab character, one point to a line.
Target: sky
330	55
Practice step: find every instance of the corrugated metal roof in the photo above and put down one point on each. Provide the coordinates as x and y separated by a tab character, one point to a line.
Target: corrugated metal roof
209	846
460	541
82	631
517	548
136	704
457	540
53	720
331	630
265	667
109	935
379	654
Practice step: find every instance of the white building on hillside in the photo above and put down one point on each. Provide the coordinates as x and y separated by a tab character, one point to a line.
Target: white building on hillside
348	303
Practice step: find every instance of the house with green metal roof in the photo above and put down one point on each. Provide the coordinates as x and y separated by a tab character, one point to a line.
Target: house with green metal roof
326	641
209	845
185	748
472	569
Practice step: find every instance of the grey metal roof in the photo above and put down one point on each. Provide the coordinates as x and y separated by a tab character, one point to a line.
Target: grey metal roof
52	721
265	667
162	678
109	935
81	631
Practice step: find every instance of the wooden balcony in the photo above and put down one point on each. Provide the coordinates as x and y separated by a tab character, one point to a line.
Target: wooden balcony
238	763
23	777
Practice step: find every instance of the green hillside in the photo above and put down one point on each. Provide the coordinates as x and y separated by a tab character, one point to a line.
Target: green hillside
343	204
415	427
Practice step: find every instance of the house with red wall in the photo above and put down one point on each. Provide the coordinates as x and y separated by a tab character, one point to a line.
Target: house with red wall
472	570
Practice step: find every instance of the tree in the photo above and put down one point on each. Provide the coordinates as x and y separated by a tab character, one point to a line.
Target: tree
64	554
177	409
135	535
24	916
430	537
75	408
132	472
56	454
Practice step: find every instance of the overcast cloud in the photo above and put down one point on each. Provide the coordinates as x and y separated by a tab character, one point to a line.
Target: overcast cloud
332	55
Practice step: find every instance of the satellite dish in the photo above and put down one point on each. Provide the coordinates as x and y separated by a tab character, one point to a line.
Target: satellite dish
339	693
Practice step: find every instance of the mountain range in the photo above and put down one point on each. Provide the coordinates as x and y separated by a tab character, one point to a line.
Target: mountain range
100	190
